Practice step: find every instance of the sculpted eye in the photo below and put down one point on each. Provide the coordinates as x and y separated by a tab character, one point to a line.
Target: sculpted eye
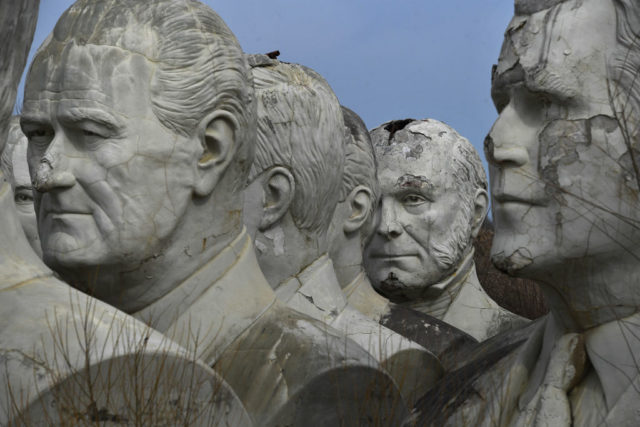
413	200
23	198
87	132
40	133
40	137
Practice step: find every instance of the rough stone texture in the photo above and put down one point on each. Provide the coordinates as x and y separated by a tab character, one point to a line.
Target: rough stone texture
520	296
139	160
17	26
433	202
13	162
291	197
562	157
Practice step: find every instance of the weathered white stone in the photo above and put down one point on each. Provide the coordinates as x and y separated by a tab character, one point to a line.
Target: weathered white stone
351	226
14	165
565	205
433	202
295	185
139	160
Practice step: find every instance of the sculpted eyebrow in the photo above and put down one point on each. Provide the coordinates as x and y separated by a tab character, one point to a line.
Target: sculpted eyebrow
100	117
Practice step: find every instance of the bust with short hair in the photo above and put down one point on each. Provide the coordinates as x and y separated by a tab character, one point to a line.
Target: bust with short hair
66	357
141	125
434	200
352	225
295	185
564	184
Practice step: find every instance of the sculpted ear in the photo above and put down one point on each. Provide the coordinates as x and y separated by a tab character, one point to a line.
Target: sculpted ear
279	189
218	137
359	201
480	210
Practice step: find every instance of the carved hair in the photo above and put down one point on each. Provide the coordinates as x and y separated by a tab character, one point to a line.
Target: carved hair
200	65
300	127
360	166
14	136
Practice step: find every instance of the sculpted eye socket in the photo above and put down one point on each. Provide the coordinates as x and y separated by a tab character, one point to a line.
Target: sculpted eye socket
413	200
40	137
87	132
23	198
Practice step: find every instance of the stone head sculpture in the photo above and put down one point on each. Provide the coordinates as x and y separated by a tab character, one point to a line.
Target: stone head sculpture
353	219
563	153
140	123
295	180
433	202
14	165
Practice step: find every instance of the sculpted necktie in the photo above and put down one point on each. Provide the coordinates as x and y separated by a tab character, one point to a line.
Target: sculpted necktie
550	405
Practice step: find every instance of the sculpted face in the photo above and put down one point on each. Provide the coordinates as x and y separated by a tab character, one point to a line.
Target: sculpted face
424	220
23	193
562	178
112	181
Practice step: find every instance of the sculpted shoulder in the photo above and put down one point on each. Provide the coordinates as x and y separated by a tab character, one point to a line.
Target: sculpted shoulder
288	361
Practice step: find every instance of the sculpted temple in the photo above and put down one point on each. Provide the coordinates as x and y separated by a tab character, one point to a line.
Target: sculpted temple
192	234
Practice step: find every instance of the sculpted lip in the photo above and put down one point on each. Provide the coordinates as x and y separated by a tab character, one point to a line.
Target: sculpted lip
392	256
502	198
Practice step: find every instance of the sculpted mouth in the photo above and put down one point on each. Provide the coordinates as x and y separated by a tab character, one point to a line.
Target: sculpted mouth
392	256
502	198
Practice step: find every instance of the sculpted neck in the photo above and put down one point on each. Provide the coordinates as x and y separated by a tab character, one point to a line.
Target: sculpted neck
347	260
204	230
589	292
283	250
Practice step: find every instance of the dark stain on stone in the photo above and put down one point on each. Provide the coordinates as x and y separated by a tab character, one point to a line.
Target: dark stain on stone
413	181
394	126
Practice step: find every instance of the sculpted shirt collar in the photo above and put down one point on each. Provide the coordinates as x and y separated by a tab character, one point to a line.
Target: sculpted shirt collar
216	303
610	388
314	291
440	295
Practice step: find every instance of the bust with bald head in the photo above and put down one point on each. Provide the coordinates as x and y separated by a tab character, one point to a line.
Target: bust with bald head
434	200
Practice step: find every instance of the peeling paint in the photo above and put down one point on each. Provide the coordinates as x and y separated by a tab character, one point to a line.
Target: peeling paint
276	234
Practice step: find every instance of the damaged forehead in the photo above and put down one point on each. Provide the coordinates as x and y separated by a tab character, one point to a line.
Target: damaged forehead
411	138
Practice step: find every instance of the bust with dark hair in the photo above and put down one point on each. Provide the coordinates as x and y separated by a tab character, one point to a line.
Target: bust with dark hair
565	187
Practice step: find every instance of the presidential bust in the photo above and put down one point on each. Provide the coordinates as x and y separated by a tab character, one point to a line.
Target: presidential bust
565	189
141	125
67	358
434	201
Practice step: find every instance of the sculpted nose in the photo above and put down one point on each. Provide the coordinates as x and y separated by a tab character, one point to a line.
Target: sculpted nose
506	144
51	172
389	225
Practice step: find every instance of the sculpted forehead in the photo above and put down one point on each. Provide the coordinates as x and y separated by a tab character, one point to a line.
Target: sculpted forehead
88	75
420	153
562	50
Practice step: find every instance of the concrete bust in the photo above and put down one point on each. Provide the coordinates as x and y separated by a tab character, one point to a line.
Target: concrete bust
565	189
434	200
130	129
13	163
141	125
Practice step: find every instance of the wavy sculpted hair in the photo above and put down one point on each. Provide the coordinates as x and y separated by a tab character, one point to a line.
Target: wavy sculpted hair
200	64
300	127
